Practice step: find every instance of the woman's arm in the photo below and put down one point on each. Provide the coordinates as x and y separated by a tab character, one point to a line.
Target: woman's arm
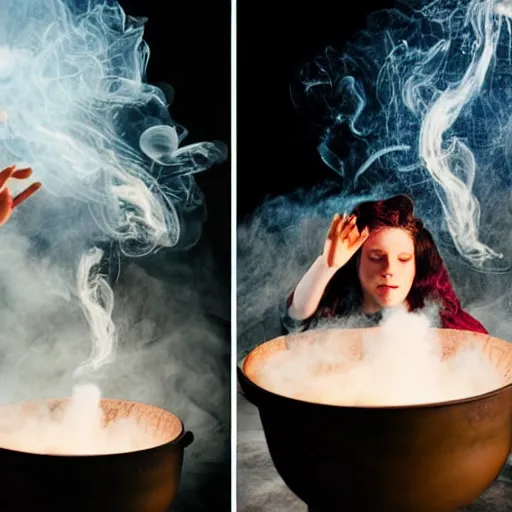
342	242
310	290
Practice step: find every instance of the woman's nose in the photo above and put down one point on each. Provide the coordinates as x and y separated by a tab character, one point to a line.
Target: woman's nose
387	269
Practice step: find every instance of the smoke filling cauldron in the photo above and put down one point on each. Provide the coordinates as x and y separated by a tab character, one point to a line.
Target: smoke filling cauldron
434	457
145	480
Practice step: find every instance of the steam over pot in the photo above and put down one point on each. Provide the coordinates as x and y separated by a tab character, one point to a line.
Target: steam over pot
140	481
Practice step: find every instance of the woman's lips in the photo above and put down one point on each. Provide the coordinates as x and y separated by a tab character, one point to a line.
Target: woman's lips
385	289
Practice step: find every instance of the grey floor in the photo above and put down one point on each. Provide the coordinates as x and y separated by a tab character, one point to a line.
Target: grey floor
260	489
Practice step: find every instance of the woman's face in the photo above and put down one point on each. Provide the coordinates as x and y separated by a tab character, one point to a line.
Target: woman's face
387	267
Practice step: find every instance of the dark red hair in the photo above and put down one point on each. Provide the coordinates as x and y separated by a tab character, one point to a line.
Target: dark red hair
431	282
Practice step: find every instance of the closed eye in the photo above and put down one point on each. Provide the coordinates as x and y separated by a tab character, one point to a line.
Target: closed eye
376	258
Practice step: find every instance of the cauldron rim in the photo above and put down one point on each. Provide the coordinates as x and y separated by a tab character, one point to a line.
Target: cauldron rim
429	405
242	376
182	438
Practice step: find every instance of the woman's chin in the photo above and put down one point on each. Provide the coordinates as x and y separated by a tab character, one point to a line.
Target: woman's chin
392	302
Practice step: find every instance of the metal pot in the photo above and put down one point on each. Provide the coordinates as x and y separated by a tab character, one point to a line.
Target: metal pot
422	458
139	481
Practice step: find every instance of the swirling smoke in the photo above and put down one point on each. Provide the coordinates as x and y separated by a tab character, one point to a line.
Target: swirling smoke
118	182
417	103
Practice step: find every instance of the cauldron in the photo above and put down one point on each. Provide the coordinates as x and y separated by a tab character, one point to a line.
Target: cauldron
139	481
415	458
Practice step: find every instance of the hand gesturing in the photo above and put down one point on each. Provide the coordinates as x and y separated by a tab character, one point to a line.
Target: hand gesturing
7	202
343	240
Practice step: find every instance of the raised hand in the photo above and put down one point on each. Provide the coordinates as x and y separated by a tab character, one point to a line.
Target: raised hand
343	240
7	202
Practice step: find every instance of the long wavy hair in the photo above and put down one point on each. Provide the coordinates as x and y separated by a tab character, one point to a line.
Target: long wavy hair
431	283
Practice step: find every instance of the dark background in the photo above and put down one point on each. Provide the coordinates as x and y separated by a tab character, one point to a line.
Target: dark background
190	49
275	144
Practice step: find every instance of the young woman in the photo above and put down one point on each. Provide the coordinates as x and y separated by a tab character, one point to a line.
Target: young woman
379	257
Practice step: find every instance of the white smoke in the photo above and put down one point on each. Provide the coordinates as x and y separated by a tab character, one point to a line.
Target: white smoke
400	363
118	181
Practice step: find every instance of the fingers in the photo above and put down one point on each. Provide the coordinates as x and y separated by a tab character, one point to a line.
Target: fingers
11	172
5	175
350	224
332	236
22	174
334	226
26	194
344	231
360	239
351	234
341	225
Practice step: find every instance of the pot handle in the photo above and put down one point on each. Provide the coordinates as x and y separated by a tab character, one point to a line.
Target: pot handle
187	438
247	397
